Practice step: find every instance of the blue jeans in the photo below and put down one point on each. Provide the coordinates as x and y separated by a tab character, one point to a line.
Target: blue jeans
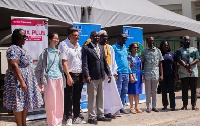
122	86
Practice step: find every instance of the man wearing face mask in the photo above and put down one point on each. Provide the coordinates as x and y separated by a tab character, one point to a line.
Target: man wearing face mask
188	57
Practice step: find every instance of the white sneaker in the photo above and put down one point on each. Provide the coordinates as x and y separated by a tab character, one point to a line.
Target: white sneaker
69	122
79	121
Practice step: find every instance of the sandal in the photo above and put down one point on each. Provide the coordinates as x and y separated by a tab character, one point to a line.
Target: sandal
184	108
132	110
195	108
138	110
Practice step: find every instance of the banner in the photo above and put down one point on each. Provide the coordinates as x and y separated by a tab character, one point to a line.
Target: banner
84	31
135	34
37	30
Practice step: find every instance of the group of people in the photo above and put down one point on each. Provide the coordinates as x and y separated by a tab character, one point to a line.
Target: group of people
110	72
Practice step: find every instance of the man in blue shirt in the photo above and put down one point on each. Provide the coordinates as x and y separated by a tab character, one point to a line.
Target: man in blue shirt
122	70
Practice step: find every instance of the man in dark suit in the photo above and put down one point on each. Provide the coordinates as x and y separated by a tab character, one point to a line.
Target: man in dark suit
94	66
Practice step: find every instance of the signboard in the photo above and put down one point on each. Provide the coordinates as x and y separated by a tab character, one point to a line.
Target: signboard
85	29
134	34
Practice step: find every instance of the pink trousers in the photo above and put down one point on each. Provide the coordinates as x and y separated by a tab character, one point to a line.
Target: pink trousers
54	101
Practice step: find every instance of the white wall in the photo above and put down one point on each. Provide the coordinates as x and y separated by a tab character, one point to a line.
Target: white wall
4	62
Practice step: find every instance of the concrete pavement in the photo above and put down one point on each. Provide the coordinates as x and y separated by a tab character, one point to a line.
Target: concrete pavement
163	118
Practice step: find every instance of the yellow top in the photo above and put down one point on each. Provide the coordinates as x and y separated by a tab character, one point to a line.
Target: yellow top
107	54
87	42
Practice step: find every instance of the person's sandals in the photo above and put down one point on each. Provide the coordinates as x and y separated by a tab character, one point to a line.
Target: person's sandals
138	110
195	108
132	110
184	108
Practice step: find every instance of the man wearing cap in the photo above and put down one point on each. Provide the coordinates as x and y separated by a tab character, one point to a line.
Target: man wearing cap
112	101
188	57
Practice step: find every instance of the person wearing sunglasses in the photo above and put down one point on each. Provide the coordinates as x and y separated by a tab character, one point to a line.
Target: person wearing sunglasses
188	57
135	78
170	74
151	58
21	90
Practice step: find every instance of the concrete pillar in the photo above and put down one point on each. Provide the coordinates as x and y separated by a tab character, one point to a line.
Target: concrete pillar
189	10
84	17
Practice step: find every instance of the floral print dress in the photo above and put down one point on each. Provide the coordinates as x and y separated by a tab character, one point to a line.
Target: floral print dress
14	98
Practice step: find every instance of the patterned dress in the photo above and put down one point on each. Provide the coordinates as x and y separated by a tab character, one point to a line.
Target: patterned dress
14	98
135	68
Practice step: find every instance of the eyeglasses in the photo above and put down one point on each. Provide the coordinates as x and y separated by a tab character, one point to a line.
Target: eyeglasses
24	37
76	35
56	39
136	47
96	36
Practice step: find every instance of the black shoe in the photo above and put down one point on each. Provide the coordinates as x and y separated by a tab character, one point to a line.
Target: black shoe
148	110
123	111
109	115
172	109
164	108
92	121
104	119
155	110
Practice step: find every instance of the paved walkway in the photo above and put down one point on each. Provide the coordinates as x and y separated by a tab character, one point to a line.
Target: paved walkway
163	118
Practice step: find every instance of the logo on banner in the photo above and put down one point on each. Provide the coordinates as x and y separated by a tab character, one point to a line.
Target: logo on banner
79	28
126	32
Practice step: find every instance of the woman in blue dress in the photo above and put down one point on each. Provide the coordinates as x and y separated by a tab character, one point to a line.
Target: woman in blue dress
135	83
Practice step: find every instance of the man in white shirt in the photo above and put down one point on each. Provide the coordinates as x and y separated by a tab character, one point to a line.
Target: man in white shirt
72	65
